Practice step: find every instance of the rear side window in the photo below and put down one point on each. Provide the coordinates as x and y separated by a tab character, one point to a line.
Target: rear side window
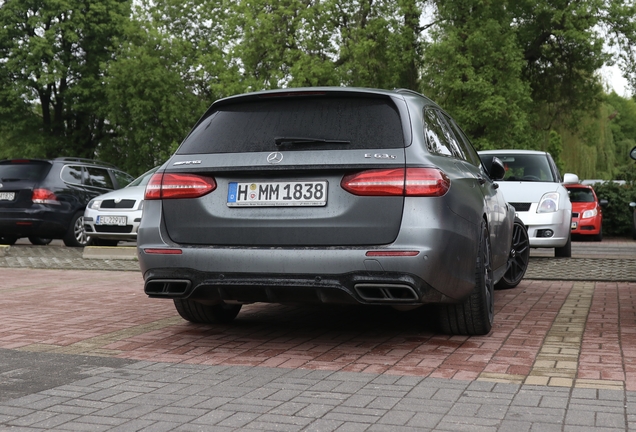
436	136
19	171
99	177
72	174
350	123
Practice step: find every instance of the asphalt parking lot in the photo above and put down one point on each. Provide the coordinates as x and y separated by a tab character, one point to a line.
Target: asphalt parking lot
82	348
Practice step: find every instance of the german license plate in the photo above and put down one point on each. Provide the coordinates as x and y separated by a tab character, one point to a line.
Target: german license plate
111	220
7	196
277	194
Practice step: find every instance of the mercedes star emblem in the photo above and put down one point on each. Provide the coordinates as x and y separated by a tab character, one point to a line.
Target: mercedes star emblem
275	157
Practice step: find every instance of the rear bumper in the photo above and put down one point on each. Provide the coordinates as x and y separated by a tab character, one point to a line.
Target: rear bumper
380	288
440	268
37	221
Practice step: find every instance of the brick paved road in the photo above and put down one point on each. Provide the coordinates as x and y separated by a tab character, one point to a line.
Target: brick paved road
86	350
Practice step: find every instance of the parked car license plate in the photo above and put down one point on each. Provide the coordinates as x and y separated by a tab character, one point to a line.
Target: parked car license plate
111	220
277	194
7	196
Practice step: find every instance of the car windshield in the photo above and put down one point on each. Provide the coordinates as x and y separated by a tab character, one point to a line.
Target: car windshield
320	123
532	168
143	179
19	170
581	195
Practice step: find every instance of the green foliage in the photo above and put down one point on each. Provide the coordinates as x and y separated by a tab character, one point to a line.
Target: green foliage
472	67
617	216
125	84
53	54
562	50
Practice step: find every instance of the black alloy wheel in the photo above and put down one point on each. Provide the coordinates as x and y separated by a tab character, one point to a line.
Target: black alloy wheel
518	259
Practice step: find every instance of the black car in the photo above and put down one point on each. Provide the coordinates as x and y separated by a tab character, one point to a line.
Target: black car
45	199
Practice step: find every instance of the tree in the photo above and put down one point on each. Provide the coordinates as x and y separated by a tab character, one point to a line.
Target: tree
562	51
473	68
161	82
52	59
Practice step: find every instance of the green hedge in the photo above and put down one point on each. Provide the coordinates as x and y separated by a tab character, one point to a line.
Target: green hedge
617	215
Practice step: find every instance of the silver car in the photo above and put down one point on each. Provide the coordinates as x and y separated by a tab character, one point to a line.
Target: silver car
327	195
115	216
533	185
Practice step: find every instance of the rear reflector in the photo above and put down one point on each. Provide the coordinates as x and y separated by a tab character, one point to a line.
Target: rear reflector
426	182
163	251
44	196
174	186
392	253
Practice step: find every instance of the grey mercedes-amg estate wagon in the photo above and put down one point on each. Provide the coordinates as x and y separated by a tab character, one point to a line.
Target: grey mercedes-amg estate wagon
328	195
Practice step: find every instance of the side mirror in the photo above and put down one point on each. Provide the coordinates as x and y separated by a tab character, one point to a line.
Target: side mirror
570	178
603	202
497	169
632	154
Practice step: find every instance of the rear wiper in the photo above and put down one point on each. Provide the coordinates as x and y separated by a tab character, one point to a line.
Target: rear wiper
280	141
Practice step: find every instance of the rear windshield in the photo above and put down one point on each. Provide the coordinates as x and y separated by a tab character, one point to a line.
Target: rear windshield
19	171
256	126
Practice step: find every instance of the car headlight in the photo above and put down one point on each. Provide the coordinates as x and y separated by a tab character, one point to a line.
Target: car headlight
589	213
94	204
549	203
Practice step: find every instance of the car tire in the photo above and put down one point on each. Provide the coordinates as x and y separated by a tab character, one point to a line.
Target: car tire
475	315
40	241
518	258
564	251
8	240
76	235
599	236
199	313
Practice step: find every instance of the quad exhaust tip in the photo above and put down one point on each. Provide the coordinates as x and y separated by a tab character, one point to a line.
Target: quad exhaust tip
386	292
167	287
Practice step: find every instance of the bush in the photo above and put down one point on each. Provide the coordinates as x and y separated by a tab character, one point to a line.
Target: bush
617	215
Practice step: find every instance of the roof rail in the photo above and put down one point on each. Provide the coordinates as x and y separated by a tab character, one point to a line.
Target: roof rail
86	161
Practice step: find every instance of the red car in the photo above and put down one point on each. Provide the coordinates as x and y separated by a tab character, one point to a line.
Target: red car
587	216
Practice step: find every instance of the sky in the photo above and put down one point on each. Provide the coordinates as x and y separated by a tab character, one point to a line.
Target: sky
614	79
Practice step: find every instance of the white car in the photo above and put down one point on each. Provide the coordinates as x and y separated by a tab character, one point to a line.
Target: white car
533	185
115	216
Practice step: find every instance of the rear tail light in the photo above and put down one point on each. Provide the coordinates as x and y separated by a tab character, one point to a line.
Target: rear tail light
44	196
428	182
175	186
